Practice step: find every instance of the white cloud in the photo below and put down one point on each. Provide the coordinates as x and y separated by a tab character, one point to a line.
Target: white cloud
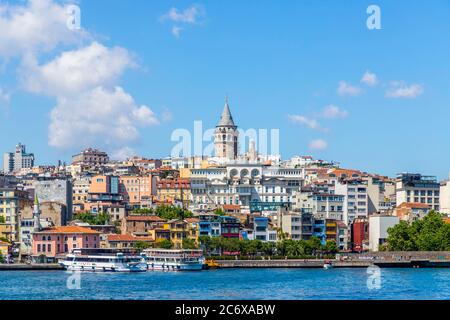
123	153
194	15
176	31
346	89
399	89
4	97
318	144
166	115
334	112
98	117
39	25
370	79
191	15
310	123
77	70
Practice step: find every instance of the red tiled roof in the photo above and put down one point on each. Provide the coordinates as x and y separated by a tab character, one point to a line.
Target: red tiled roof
192	220
4	243
128	238
414	205
145	218
69	230
231	207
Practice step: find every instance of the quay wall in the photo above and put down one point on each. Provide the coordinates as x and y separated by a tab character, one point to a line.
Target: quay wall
30	267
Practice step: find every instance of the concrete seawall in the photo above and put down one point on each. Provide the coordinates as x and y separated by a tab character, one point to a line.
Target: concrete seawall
227	264
30	267
290	264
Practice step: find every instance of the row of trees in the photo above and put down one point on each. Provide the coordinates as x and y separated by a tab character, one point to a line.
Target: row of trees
101	218
166	212
287	247
165	244
431	233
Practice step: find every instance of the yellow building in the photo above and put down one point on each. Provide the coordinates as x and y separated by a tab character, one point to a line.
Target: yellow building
4	248
182	229
170	190
12	201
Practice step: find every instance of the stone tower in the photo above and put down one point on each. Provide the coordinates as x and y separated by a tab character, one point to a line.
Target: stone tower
36	215
226	136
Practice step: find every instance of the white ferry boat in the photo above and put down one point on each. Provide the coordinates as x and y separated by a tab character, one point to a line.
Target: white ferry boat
103	260
174	260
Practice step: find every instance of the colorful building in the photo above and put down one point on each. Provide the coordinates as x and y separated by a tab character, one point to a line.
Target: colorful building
135	189
126	241
59	241
174	190
12	201
141	225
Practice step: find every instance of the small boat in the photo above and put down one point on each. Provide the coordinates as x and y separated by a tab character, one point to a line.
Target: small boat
327	265
103	260
173	259
211	264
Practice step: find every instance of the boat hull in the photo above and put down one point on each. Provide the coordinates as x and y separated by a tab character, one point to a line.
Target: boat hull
104	267
175	267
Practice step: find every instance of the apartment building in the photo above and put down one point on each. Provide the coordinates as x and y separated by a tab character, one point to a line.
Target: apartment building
90	157
322	205
418	188
12	201
17	160
297	224
355	198
80	191
135	189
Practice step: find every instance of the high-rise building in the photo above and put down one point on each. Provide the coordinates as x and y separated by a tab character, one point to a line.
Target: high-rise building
19	159
226	136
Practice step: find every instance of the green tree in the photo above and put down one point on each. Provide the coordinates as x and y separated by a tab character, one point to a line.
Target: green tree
219	212
143	211
331	247
2	258
429	234
2	219
164	244
189	244
141	245
172	212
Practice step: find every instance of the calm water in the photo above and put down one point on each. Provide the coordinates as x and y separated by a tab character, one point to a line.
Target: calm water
276	284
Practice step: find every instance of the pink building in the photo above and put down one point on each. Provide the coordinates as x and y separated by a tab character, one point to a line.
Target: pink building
59	241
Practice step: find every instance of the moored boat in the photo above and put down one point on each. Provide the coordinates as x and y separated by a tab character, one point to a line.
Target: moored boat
103	260
173	259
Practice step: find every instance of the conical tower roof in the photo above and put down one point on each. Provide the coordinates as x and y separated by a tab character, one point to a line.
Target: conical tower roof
226	120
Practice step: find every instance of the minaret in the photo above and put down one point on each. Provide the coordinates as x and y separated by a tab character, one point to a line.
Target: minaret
226	135
36	215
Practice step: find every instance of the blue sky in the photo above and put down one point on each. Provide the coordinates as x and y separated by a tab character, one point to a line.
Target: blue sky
281	63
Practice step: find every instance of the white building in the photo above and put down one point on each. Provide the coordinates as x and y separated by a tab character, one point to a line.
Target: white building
444	199
378	230
417	188
17	160
356	199
254	187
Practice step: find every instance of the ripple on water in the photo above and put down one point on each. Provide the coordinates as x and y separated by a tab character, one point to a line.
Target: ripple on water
240	284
